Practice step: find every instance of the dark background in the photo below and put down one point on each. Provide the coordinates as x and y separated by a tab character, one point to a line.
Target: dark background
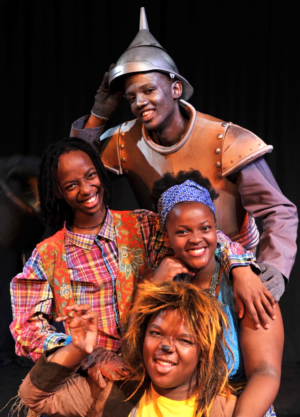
241	58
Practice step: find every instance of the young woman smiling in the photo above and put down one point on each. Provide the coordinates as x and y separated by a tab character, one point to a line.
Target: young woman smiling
85	260
174	348
187	213
175	345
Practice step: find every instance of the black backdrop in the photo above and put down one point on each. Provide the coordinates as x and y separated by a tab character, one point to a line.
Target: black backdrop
241	58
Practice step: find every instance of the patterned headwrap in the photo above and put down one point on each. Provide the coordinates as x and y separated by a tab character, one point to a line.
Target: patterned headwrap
188	191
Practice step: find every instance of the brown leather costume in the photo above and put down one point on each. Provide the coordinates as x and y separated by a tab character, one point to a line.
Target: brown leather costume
230	156
217	149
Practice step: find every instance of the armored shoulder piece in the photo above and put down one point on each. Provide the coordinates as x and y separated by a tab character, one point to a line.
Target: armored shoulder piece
240	148
113	142
109	150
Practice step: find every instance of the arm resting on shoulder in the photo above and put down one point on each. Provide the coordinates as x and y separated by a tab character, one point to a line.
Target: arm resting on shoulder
262	355
249	292
233	255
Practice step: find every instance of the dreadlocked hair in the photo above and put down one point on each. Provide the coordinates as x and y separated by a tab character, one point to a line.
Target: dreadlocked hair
55	210
205	321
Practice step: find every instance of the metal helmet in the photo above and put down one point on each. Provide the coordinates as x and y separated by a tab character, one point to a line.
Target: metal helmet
146	54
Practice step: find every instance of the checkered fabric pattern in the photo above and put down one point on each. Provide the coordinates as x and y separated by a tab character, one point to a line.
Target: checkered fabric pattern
270	412
91	283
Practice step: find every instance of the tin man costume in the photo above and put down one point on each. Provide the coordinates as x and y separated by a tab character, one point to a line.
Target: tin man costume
228	155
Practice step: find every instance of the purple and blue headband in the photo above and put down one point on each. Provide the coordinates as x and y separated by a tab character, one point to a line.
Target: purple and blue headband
188	191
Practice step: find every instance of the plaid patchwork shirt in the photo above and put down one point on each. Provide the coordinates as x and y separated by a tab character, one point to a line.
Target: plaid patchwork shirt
92	283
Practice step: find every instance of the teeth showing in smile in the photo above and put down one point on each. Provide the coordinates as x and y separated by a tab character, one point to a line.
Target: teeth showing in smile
91	200
147	113
197	251
165	363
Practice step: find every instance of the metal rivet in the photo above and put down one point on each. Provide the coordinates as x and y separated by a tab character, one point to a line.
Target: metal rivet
122	146
218	150
220	175
122	133
218	164
224	124
126	171
219	136
123	159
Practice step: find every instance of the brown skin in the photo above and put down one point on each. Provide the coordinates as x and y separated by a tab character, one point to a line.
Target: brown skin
172	372
153	99
262	351
168	327
157	93
262	354
94	121
84	332
252	297
80	187
154	91
192	233
194	237
259	299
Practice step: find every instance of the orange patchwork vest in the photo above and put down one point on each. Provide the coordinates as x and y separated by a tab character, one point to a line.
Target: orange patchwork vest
133	264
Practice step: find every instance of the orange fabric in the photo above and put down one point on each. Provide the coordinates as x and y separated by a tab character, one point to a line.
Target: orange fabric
53	255
133	261
132	264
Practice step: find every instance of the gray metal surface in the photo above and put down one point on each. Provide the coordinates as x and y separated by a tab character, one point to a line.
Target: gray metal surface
146	54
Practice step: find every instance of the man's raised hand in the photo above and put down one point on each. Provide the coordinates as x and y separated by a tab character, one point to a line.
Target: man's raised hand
106	101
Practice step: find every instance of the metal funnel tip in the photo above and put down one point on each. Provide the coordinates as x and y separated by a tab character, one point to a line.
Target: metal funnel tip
143	19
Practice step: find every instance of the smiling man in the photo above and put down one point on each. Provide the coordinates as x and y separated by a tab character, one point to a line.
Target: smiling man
153	98
169	135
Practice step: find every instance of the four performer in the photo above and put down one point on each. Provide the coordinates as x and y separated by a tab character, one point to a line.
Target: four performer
87	274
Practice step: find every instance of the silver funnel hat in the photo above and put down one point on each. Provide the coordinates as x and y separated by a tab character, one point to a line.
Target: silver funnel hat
146	54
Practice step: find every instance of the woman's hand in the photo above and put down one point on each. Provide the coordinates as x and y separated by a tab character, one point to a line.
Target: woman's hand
83	326
251	295
168	269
